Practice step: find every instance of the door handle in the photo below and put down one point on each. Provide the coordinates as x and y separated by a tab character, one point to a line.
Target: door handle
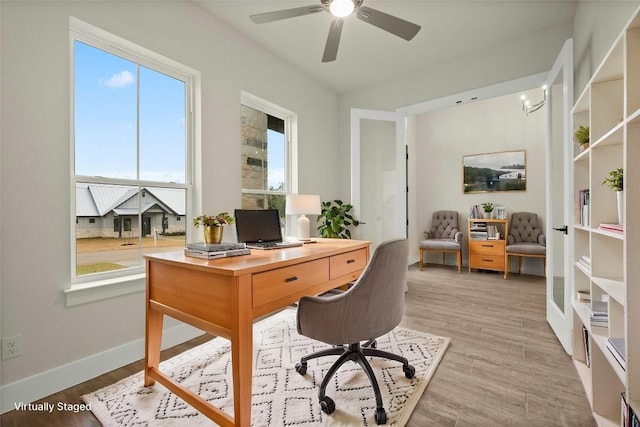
564	229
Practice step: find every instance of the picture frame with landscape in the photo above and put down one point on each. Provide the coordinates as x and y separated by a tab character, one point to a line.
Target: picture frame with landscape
492	172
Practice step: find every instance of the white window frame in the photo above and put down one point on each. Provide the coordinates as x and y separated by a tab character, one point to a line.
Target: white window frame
93	287
291	140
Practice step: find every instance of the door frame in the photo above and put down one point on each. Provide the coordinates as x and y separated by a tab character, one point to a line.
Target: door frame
399	119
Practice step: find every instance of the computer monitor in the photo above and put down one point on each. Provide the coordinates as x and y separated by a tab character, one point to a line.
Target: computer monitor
258	225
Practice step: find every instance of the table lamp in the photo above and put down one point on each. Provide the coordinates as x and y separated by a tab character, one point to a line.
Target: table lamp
303	204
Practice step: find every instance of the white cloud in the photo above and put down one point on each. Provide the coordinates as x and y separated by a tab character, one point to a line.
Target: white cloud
118	80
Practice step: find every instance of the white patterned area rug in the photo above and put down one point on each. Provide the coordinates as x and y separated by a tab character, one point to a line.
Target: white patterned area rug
281	396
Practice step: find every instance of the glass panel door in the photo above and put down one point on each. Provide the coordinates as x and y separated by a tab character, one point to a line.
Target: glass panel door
378	190
559	201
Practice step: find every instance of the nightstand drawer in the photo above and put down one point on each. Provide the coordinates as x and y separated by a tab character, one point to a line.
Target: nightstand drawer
486	247
489	262
279	283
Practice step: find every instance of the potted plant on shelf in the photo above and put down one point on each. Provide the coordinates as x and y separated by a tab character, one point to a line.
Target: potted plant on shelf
615	181
487	208
213	225
336	219
581	137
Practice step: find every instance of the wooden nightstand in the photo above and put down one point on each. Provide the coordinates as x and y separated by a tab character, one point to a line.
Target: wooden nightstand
485	253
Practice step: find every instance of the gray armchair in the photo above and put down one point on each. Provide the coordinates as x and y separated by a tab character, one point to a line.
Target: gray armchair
444	236
526	239
373	306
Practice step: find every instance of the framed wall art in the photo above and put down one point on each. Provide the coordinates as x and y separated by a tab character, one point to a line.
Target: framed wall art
489	172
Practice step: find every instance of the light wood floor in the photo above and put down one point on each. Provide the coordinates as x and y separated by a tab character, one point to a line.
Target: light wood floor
504	366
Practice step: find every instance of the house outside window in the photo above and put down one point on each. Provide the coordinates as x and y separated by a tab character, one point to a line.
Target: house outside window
132	155
267	155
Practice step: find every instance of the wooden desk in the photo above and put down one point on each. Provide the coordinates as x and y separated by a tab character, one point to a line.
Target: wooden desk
224	296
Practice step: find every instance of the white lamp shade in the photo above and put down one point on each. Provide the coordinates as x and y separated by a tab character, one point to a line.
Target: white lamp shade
302	204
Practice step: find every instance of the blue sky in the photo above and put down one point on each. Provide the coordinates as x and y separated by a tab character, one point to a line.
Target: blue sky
106	120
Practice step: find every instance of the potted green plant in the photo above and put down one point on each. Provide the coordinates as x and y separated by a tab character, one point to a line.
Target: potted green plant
615	181
487	208
336	219
213	225
581	136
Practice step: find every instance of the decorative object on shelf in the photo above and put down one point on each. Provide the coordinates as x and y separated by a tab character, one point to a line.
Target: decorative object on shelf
615	181
336	220
302	204
213	225
488	172
488	209
529	108
500	212
581	137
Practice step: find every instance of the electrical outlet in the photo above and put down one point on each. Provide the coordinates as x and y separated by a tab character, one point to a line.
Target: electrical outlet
11	347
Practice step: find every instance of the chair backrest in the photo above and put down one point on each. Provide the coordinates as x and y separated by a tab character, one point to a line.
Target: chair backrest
444	225
524	227
374	305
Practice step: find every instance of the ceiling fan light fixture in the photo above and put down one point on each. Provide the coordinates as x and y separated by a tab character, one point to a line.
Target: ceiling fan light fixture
341	8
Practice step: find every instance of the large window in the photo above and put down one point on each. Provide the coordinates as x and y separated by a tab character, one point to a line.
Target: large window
132	156
267	160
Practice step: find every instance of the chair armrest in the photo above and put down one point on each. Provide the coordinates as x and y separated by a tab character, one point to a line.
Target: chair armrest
427	234
542	240
510	240
458	237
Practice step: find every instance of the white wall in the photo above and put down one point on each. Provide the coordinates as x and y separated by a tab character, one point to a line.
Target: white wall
35	177
597	24
443	137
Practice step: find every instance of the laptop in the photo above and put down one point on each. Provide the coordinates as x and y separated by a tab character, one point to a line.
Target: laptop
260	229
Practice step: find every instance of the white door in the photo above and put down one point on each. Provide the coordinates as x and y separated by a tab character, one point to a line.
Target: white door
378	175
559	196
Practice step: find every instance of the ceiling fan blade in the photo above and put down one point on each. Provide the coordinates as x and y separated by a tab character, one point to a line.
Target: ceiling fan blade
401	28
333	40
262	18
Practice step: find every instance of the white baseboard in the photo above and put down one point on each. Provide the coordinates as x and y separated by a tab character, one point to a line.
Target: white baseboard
57	379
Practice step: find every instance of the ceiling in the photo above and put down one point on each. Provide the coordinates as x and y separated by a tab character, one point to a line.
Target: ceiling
368	55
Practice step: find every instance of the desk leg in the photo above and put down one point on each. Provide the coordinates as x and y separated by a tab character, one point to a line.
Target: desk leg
153	341
242	351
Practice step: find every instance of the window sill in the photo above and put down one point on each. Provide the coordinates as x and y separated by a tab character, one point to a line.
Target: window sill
104	289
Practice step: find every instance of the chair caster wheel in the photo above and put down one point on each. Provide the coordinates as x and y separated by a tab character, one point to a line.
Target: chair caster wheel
301	368
327	405
409	371
381	416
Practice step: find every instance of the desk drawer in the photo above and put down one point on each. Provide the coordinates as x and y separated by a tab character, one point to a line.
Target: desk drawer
275	284
488	262
487	248
351	262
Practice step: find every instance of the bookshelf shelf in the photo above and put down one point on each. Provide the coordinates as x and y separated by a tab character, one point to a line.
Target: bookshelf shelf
610	106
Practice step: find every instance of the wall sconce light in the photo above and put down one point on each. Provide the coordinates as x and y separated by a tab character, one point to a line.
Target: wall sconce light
529	108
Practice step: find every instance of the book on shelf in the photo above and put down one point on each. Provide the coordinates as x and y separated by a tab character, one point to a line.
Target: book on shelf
583	205
214	247
587	348
195	253
615	228
478	235
584	296
625	411
616	348
597	309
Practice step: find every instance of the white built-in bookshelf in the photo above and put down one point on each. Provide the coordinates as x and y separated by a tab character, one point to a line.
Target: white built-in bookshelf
607	263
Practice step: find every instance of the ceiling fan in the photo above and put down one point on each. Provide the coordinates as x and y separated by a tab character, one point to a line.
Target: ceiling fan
341	9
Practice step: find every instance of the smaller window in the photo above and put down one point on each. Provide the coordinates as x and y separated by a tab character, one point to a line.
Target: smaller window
92	220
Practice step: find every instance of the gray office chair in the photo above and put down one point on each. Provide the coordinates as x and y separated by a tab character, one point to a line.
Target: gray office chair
526	239
373	306
444	236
